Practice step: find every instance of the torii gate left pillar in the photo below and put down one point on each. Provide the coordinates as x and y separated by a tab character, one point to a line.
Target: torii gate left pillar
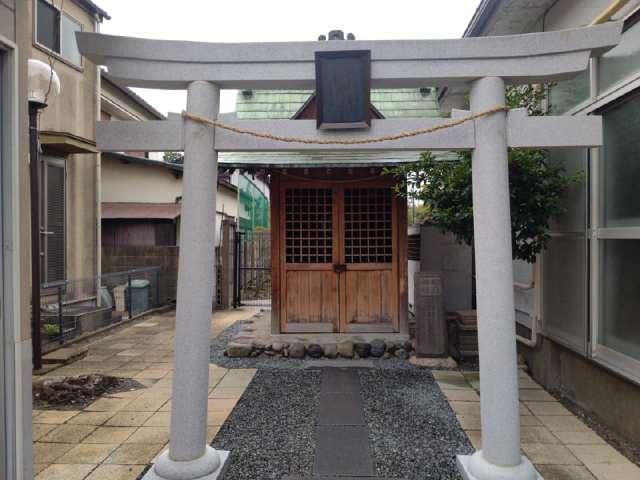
189	457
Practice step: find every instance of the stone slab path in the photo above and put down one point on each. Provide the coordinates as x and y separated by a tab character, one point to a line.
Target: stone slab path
557	442
116	436
342	435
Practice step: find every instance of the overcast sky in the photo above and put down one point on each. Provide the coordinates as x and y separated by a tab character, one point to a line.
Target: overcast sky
279	20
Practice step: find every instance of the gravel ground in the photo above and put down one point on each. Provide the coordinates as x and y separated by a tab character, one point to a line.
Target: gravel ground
268	438
414	433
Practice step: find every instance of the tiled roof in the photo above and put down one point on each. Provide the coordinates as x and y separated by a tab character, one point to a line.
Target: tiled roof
282	104
271	104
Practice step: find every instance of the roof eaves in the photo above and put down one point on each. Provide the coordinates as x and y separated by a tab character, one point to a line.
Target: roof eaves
91	7
133	96
481	17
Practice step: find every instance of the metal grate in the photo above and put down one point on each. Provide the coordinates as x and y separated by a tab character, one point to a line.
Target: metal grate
367	225
309	225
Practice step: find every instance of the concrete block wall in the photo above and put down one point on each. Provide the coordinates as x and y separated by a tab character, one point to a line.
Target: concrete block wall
121	259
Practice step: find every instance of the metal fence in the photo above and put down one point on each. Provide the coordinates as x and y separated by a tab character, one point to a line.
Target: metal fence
252	268
73	308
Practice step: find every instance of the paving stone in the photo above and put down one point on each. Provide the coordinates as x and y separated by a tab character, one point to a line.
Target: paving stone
557	423
337	380
221	404
116	472
65	472
134	454
56	417
110	435
90	418
547	408
343	451
475	437
466	408
533	395
69	433
469	422
537	435
128	419
464	395
580	438
340	409
154	435
108	405
564	472
89	453
39	430
49	452
216	418
219	392
38	467
145	403
590	454
615	471
545	454
159	419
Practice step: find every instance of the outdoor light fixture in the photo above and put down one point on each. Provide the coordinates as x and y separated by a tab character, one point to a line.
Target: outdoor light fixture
43	82
43	86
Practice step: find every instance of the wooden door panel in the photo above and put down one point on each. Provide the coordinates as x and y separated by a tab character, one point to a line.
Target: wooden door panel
370	288
312	301
369	301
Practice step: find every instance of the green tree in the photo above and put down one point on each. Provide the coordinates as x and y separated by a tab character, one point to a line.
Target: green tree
172	157
537	187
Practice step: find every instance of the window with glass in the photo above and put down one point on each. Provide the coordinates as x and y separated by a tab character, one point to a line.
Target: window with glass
620	164
565	260
621	63
616	284
55	30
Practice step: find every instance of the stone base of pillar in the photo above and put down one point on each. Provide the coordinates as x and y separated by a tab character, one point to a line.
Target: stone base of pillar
207	467
475	467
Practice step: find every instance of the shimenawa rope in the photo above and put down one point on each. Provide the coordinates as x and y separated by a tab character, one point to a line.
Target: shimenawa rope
346	141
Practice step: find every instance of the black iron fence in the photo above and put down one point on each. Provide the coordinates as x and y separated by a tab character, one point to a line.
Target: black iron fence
73	308
252	268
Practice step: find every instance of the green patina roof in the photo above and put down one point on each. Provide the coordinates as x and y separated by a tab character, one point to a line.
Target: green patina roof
396	103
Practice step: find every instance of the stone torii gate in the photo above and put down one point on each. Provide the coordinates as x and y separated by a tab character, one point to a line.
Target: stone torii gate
486	63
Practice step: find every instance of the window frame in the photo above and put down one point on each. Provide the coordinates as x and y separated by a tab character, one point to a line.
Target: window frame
600	353
49	51
598	102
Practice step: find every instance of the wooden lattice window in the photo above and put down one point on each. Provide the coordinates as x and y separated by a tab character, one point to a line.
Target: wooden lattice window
367	225
309	225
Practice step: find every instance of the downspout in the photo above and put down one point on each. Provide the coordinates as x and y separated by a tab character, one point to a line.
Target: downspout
98	179
609	12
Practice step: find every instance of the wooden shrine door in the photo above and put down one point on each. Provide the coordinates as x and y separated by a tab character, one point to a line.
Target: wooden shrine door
338	261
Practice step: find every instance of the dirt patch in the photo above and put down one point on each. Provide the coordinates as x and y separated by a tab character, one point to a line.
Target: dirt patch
79	391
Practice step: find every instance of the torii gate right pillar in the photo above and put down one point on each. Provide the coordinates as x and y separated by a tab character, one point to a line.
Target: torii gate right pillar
500	457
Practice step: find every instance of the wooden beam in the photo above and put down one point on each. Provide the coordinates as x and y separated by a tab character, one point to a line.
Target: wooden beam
394	63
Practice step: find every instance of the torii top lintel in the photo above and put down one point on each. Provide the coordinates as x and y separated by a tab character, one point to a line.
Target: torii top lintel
528	58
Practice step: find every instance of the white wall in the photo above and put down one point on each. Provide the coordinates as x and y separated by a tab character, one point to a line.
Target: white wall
130	182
